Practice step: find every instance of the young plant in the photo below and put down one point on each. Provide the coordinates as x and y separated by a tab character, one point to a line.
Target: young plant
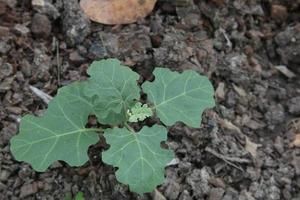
112	94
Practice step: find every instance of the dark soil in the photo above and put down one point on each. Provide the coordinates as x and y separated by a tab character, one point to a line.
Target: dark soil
250	50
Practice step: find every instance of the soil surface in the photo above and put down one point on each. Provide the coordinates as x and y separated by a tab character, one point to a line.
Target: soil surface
250	50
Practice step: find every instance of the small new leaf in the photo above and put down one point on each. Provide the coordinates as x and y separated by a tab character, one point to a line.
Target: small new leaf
79	196
139	157
139	112
114	88
179	97
60	134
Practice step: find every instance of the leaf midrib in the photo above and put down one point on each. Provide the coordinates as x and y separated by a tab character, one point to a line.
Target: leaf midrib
58	136
180	95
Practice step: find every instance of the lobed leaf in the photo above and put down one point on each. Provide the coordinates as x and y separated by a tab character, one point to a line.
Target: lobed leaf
114	89
139	157
179	97
60	134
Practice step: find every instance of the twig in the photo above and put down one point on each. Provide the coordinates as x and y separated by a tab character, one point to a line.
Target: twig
228	159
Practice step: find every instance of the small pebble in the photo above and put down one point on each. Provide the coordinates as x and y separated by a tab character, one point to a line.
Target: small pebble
6	70
75	57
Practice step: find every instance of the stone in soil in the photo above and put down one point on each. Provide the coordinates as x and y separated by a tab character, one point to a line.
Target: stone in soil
96	50
2	8
216	194
4	174
296	164
294	105
45	7
198	180
4	47
275	115
76	25
4	31
26	68
10	3
5	84
288	42
172	190
41	26
6	70
29	189
185	195
75	57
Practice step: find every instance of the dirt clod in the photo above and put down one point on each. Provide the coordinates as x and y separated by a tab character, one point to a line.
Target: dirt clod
75	24
294	105
279	13
30	189
41	26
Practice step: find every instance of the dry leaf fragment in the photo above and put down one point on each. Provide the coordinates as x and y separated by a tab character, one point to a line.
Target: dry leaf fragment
241	92
220	91
117	11
38	2
229	125
296	142
285	71
251	147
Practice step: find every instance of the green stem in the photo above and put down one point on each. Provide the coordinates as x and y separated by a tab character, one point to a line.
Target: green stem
129	128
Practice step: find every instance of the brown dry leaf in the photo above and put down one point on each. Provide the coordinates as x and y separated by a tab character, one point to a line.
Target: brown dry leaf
117	11
296	142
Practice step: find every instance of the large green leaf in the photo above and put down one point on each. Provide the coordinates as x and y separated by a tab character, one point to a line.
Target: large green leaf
60	134
139	157
179	97
114	88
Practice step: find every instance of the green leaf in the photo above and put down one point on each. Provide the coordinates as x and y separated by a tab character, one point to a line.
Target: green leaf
139	157
139	112
60	134
79	196
114	88
179	97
